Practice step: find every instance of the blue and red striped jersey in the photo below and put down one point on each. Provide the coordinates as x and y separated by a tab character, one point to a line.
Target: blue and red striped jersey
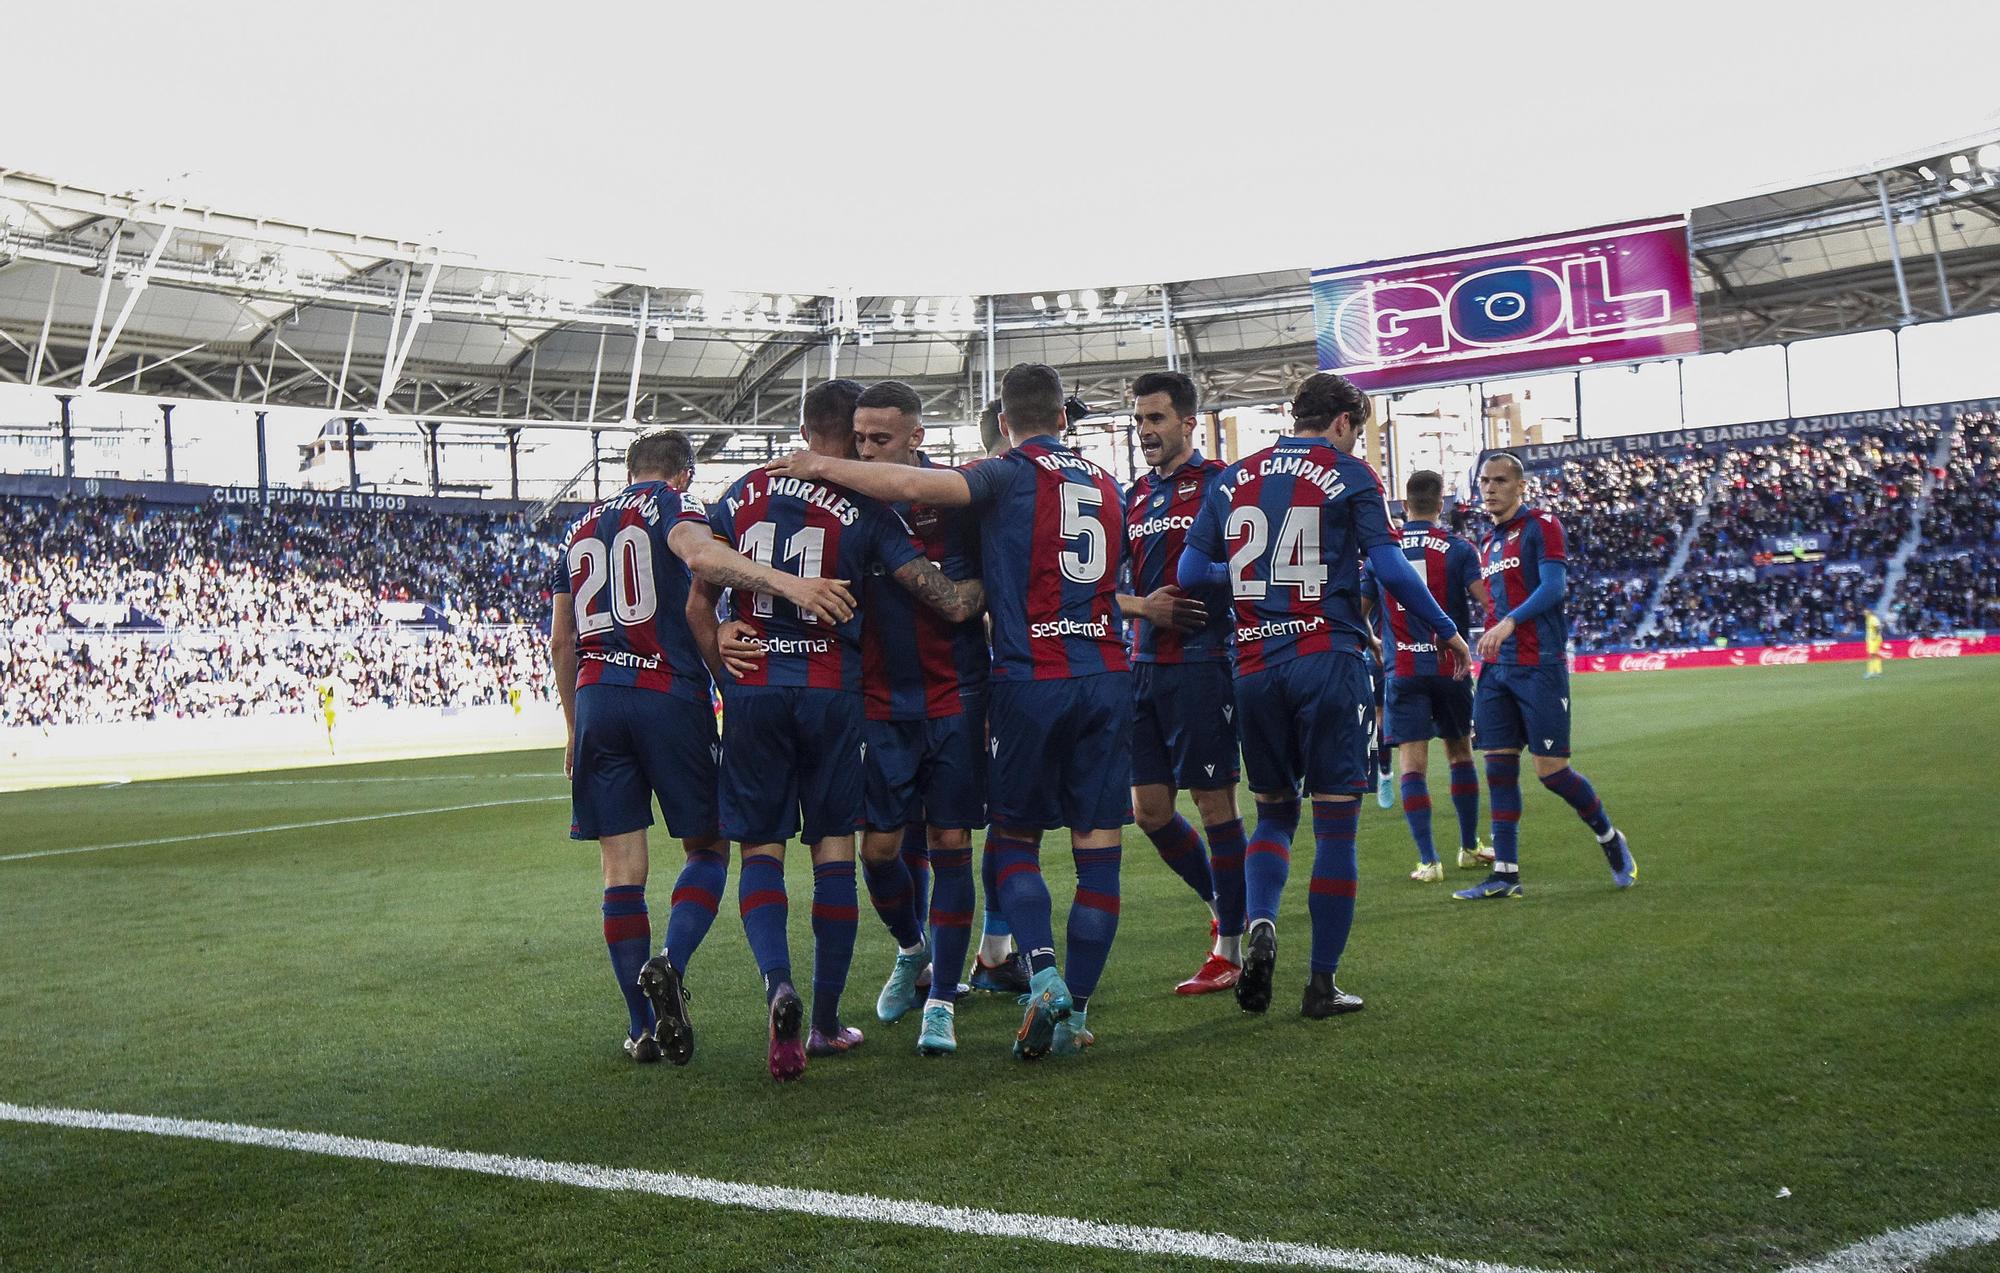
816	531
1292	522
916	663
630	593
1449	566
1510	561
1051	535
1159	512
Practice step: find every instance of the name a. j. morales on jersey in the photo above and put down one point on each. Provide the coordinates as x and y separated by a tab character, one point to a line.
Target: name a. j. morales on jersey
1298	466
797	488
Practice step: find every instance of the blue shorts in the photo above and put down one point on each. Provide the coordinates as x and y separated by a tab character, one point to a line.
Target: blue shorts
930	771
1310	718
1184	725
1425	707
791	763
1522	707
1062	753
634	745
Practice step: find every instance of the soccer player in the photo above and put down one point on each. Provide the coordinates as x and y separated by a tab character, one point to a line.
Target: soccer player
1051	532
1293	522
635	701
1873	635
1523	694
329	691
924	687
792	734
1183	699
1428	694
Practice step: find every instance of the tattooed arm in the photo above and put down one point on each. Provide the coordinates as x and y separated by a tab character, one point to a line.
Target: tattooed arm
717	563
955	601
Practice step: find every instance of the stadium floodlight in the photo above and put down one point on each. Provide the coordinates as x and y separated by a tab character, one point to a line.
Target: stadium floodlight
1960	184
698	301
897	307
664	332
786	305
1960	165
1062	300
1119	297
1927	172
423	316
488	284
1093	315
923	305
763	304
1089	298
1038	303
866	338
1989	156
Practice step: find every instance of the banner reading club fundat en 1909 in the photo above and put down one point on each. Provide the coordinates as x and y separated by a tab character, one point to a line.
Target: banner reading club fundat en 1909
1617	293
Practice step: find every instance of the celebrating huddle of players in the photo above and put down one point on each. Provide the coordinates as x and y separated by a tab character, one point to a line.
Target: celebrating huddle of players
918	652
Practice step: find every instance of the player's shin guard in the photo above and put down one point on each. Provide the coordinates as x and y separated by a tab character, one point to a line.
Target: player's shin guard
1093	921
1225	859
1023	897
1465	800
890	889
1267	860
1576	791
628	935
760	891
1416	811
836	911
1503	791
1333	880
951	921
697	894
1180	848
917	861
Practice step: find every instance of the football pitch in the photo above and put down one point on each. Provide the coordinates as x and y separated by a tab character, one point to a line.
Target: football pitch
1784	1041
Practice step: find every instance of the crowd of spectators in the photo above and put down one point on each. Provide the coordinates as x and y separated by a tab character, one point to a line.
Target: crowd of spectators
1702	606
1955	582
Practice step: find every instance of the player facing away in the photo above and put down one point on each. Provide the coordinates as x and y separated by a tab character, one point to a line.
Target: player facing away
1183	698
1059	710
1292	523
635	699
1873	635
1428	694
1523	694
924	688
792	743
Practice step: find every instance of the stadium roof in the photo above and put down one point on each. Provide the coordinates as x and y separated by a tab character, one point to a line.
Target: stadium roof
1150	145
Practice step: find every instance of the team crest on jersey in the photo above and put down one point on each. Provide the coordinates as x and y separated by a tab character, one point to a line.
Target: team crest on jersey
1188	489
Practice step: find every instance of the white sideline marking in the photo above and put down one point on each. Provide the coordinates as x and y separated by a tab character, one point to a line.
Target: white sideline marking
282	826
1908	1248
1139	1239
251	781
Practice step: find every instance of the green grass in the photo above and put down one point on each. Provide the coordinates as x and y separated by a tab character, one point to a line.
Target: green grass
1803	993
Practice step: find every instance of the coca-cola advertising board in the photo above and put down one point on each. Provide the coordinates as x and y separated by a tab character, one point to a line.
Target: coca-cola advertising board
1785	655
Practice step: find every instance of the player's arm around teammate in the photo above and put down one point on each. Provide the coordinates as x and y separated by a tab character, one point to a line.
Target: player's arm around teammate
1523	696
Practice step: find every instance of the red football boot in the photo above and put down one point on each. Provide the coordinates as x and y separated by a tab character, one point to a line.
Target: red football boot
1216	974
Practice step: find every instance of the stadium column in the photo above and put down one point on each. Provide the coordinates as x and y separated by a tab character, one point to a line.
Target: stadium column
167	435
68	436
353	465
513	464
596	482
430	431
263	458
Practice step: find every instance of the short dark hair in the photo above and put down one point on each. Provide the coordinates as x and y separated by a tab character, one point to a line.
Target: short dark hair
893	394
1031	393
1325	395
1505	457
830	408
660	450
1424	490
1178	386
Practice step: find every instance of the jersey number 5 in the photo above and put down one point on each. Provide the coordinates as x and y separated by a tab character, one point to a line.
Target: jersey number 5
628	568
1296	564
1086	562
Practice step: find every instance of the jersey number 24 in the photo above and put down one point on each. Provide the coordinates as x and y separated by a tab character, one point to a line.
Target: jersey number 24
1296	564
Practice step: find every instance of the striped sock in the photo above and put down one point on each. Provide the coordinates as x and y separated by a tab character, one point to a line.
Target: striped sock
1093	921
1503	791
1333	879
836	912
951	921
1465	799
1023	897
697	894
1225	858
1267	859
1180	848
1417	812
890	889
994	935
1576	791
917	861
628	935
760	892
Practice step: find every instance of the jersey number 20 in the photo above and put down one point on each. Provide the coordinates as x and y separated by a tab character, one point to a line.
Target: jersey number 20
628	568
1296	563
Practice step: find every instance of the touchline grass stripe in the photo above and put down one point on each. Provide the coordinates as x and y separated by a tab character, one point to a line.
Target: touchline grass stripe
861	1208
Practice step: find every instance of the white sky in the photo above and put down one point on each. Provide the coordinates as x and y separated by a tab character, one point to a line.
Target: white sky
947	148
